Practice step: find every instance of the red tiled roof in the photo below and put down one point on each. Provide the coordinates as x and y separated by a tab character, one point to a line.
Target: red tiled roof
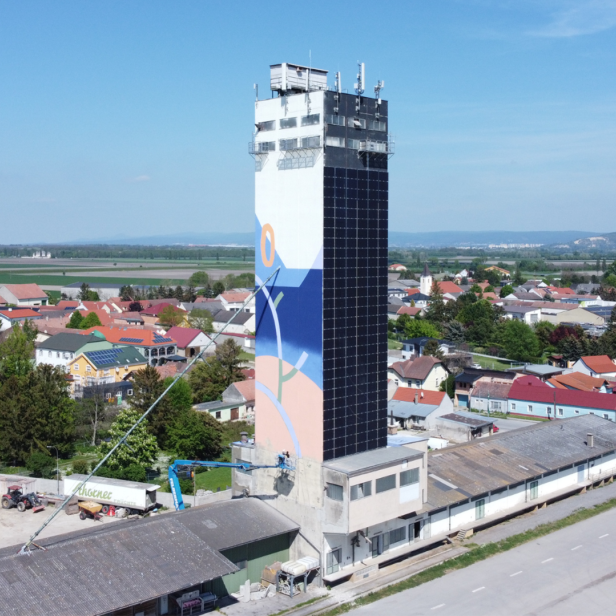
168	369
249	373
246	388
577	380
570	397
102	315
407	394
26	291
415	368
446	286
66	303
156	309
121	335
97	306
20	313
562	290
410	310
530	380
412	291
183	335
599	363
235	296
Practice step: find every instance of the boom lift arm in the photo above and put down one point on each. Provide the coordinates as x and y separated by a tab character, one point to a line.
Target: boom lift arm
281	463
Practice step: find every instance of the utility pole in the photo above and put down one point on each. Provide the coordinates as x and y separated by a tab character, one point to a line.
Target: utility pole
57	468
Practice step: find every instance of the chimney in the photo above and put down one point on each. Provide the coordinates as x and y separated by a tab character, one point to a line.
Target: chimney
590	439
416	397
244	437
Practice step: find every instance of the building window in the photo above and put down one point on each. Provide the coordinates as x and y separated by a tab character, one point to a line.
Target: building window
218	414
108	396
361	490
513	406
311	142
561	412
288	144
265	146
409	477
310	120
376	125
385	483
106	372
495	405
88	368
530	408
480	509
353	144
333	561
534	490
76	367
336	142
129	392
397	535
265	126
288	123
336	120
334	491
549	409
357	123
577	412
606	416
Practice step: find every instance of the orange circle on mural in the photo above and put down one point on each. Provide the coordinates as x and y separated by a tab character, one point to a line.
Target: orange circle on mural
268	262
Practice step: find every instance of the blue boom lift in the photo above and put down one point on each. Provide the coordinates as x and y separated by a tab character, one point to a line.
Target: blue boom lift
281	463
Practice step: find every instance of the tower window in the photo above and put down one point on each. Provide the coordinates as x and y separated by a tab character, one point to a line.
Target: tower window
334	491
311	142
309	120
336	142
385	483
288	144
266	146
336	120
353	144
265	126
288	123
376	125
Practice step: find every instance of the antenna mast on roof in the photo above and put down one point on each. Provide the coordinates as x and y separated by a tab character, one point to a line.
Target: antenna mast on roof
359	86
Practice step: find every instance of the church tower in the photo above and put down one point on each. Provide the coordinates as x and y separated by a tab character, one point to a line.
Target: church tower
425	282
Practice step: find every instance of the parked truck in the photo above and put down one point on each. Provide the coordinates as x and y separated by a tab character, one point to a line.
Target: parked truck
131	495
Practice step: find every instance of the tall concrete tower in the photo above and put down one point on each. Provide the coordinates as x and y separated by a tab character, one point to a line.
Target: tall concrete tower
321	185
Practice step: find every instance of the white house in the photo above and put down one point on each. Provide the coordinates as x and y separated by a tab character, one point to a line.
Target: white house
425	372
61	349
526	314
190	341
11	316
243	323
234	300
29	294
596	365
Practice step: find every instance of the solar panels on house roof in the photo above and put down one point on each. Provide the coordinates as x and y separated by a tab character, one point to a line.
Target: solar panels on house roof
106	356
131	339
159	338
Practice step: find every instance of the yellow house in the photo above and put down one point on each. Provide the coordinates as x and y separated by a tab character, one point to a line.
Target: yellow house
106	366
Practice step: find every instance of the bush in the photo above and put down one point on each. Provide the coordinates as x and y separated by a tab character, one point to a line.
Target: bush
81	467
40	464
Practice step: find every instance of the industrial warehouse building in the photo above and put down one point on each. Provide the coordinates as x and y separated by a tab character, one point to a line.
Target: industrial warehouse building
142	566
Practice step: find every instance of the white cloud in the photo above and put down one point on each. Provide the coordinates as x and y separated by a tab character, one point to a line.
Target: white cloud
578	18
141	178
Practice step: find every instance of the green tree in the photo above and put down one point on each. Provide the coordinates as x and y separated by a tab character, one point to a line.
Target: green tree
179	397
17	352
140	446
75	321
91	320
40	464
543	331
520	341
171	316
199	279
127	293
506	290
217	288
432	349
493	278
202	319
571	348
479	318
435	312
195	436
449	386
84	292
454	332
418	328
178	293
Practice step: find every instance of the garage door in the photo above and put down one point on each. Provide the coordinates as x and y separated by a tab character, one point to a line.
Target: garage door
463	400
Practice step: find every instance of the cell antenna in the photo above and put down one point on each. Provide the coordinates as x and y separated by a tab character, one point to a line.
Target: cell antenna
361	78
338	83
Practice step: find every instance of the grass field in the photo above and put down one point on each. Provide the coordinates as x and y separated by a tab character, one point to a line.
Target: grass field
213	479
44	279
492	364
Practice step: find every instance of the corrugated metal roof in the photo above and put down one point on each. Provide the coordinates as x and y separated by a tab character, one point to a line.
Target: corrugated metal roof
462	471
404	409
467	420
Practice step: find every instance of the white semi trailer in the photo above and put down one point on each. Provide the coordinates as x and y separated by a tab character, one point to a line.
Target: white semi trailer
134	496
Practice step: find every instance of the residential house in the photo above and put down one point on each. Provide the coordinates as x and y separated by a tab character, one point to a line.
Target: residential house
596	365
461	275
156	348
105	366
527	314
418	408
233	301
551	403
394	311
424	372
526	296
246	341
13	316
416	299
151	315
581	382
447	287
504	274
414	347
541	371
29	294
190	341
491	396
238	403
243	323
397	267
61	349
461	427
466	381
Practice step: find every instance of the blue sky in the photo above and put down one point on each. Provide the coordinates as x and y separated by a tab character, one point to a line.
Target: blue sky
132	118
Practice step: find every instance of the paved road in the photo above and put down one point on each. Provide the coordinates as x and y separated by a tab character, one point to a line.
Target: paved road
571	572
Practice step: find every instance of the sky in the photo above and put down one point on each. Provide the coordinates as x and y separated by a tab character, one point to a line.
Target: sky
132	118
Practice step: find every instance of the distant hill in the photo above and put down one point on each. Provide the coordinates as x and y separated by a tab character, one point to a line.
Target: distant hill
397	239
605	242
480	238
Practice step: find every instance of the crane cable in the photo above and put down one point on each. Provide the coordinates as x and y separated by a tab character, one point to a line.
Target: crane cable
26	547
